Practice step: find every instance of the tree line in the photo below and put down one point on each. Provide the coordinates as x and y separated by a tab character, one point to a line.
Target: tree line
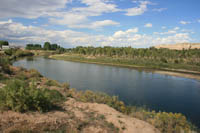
135	52
163	55
46	46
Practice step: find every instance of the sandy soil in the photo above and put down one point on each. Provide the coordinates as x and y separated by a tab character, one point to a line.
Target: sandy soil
126	124
184	75
90	117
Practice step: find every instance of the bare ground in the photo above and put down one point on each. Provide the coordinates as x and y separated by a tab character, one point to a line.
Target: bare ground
176	74
75	117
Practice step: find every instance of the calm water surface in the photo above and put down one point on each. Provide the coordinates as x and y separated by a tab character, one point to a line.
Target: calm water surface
158	92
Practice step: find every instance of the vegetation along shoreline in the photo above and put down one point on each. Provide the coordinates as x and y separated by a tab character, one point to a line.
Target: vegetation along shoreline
164	71
26	95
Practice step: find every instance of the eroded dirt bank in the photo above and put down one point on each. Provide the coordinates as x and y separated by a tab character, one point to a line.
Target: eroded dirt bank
75	117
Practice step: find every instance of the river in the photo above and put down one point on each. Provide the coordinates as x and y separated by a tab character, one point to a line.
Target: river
134	87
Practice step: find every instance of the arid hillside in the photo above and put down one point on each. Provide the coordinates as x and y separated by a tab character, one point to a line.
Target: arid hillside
180	46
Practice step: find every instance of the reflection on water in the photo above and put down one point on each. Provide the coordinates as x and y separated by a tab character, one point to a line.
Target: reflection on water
158	92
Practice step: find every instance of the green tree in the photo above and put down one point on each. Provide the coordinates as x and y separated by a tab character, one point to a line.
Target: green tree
54	46
3	43
47	46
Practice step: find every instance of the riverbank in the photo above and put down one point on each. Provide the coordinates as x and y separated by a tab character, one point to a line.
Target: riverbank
69	113
75	111
165	71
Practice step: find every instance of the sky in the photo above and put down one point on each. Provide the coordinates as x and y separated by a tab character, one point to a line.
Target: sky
98	23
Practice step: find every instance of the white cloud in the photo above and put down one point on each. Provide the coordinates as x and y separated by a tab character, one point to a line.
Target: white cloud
123	38
30	8
35	22
70	19
138	10
96	7
134	30
78	17
176	38
166	33
96	24
176	28
57	12
163	27
120	34
6	22
159	9
81	21
103	23
170	31
148	25
187	31
21	34
184	22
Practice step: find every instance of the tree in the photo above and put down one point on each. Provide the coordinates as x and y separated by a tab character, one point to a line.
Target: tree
3	43
47	46
37	47
29	46
33	47
54	47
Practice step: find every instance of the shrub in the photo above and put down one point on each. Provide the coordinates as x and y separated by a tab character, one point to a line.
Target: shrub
163	60
66	86
53	95
32	73
165	122
9	52
21	76
17	53
20	53
1	76
176	61
52	83
89	96
19	96
4	65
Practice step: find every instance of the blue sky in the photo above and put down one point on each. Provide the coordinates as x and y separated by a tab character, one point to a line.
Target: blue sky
70	23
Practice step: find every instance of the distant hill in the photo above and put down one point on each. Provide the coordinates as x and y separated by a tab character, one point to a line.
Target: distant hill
179	46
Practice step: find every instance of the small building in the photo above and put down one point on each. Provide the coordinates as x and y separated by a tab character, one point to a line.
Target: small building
5	47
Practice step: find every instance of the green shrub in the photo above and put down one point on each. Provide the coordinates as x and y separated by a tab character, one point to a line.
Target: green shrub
66	86
165	122
89	96
10	52
4	65
52	83
20	53
21	76
1	76
34	73
163	60
176	61
53	95
17	53
19	96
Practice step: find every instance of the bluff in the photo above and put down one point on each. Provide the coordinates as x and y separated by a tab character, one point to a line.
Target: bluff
179	46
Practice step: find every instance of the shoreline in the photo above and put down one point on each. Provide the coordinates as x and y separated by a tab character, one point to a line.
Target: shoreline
164	71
